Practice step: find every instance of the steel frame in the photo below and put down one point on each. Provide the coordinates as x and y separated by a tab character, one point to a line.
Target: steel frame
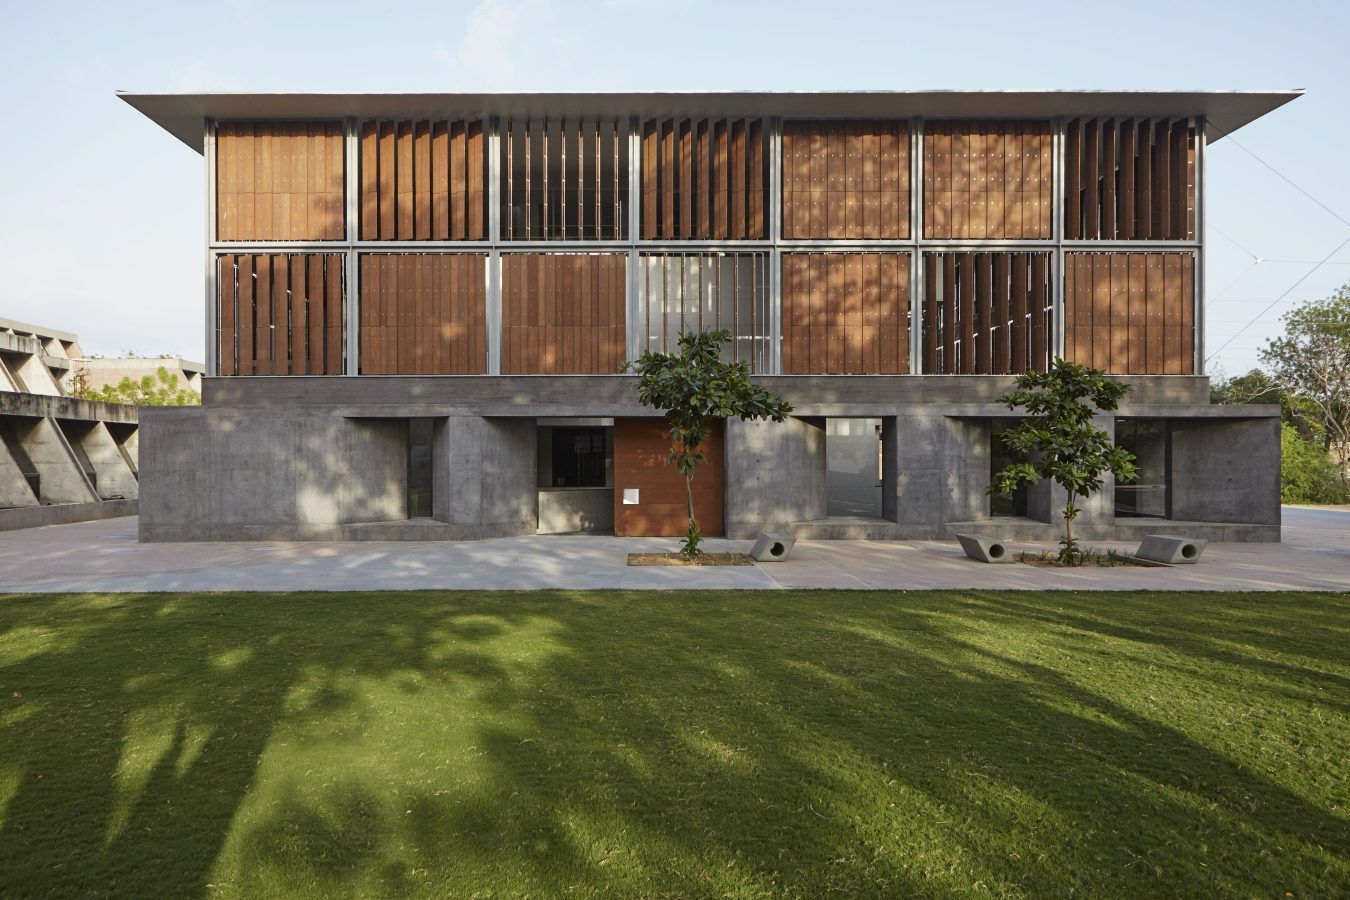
775	245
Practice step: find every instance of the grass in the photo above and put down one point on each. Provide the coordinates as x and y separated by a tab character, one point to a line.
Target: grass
626	744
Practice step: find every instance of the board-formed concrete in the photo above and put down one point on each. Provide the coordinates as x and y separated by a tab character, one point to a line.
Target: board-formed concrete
106	556
325	459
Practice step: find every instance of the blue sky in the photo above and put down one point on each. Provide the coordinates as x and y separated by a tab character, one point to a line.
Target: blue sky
101	213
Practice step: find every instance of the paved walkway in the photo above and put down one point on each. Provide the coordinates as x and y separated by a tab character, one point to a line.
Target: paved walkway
105	556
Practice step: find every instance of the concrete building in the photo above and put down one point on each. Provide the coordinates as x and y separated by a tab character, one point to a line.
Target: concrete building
62	459
101	371
419	307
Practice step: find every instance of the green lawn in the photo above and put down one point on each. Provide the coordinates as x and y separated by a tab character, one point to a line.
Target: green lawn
807	743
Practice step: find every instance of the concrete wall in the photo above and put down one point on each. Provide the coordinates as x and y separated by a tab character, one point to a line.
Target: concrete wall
1226	470
775	474
220	475
484	476
576	510
290	457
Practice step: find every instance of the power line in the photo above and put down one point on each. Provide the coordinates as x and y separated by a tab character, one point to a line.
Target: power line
1289	182
1306	276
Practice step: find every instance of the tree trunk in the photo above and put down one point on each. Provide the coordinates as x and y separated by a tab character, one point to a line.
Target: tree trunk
689	495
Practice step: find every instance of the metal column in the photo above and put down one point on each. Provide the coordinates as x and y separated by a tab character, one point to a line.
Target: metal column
212	329
352	314
494	262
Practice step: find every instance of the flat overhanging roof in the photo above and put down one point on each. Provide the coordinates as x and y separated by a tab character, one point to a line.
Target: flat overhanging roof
182	115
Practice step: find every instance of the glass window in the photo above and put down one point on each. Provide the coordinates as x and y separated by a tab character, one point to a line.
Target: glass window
1150	442
578	457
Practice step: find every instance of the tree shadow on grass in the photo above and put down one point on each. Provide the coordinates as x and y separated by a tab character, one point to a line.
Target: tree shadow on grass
753	743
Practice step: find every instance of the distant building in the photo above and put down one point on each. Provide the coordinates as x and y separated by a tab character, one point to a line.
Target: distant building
62	459
99	371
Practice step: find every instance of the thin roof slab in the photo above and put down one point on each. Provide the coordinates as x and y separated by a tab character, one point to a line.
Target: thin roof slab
183	115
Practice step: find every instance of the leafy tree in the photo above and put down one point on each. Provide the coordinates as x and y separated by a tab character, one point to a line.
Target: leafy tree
695	387
1312	360
1307	474
160	389
1258	386
1058	441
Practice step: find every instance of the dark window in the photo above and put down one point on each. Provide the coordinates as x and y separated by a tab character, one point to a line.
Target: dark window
1000	455
419	468
578	457
1150	442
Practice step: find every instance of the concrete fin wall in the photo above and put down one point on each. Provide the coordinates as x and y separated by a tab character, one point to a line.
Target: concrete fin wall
775	474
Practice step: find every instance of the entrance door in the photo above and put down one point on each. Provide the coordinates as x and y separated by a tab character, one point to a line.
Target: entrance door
649	494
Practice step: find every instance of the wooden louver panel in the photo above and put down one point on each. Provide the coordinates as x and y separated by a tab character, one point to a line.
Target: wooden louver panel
563	313
846	179
280	314
987	180
1130	313
705	179
846	313
423	314
279	181
564	179
1129	180
987	313
423	180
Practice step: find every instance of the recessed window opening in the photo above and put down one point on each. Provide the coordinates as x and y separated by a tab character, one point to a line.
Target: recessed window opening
579	457
853	460
1149	495
1011	505
420	436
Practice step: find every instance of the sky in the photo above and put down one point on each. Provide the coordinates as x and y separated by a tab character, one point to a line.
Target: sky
101	212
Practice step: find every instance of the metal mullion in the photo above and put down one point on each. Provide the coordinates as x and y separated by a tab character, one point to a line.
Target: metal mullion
1057	212
634	304
493	276
351	288
774	354
212	320
916	225
1197	318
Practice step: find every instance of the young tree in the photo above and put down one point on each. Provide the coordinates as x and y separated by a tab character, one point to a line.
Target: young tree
695	387
1057	439
160	389
1312	361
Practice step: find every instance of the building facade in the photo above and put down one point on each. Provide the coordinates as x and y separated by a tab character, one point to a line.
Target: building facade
62	459
419	309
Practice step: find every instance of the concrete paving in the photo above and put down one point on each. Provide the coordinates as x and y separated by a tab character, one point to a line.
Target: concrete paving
105	556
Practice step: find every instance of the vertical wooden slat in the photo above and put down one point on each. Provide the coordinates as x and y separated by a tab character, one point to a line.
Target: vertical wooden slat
1000	320
666	171
755	202
1073	180
1172	305
245	329
440	181
1143	182
1040	327
1120	309
476	192
227	285
1135	313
